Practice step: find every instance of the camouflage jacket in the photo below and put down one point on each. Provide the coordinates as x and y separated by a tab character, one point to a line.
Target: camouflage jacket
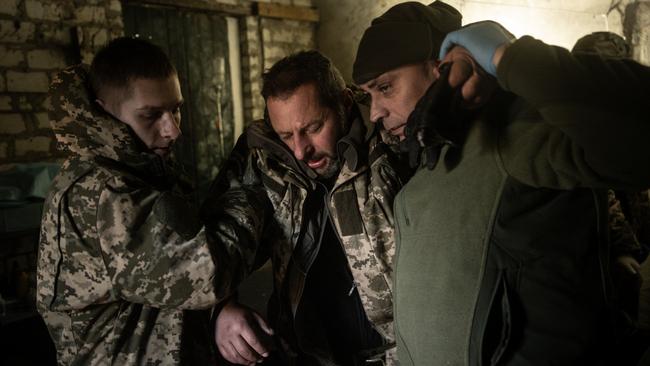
629	223
125	272
359	205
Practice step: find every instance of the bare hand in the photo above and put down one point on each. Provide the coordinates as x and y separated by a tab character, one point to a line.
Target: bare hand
477	86
629	263
241	334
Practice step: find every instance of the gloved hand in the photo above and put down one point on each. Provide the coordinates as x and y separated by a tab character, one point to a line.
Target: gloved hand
476	85
433	113
481	39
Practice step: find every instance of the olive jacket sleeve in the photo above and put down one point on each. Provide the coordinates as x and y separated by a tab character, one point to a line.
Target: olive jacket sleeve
576	121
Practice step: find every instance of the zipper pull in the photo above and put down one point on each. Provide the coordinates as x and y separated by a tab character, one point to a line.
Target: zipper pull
355	284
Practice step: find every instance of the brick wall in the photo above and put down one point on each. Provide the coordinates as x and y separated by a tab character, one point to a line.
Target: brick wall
39	37
252	68
263	42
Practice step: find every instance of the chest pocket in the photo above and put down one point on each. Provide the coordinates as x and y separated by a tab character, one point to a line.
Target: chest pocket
346	203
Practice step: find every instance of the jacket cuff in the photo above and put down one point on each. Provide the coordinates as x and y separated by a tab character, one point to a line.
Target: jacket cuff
510	57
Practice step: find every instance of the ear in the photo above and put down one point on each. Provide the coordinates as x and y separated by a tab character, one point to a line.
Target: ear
101	103
348	100
107	107
436	65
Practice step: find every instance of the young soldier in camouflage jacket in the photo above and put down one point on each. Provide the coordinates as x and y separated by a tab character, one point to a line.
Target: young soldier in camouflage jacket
125	273
330	179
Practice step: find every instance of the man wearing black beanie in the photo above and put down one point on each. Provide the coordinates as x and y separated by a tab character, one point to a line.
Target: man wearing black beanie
501	234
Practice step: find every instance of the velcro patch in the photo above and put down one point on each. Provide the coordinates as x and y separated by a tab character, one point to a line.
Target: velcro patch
346	205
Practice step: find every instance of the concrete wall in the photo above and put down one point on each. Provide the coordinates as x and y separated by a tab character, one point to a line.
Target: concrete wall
559	22
39	37
637	29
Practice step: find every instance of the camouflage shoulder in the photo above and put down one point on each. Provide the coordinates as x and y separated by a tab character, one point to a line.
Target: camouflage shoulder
120	180
75	169
69	85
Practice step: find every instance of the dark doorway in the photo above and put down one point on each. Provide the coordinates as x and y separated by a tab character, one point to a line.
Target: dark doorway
197	43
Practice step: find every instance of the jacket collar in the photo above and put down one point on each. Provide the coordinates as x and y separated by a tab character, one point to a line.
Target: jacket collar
260	135
83	129
353	147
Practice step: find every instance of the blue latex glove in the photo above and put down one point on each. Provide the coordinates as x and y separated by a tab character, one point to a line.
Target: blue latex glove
481	39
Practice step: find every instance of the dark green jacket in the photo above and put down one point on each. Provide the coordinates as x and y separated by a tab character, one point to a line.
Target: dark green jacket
501	253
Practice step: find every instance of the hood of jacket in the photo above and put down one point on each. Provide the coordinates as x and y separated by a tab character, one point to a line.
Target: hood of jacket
82	128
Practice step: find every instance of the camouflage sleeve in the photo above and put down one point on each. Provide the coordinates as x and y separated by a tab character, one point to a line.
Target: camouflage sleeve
154	255
623	240
386	194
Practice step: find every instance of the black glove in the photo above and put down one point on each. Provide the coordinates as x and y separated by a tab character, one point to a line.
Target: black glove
431	125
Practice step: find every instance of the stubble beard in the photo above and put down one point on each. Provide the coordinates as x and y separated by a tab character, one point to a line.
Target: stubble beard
332	169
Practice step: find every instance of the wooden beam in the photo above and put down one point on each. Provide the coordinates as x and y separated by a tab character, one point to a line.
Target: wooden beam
292	12
200	5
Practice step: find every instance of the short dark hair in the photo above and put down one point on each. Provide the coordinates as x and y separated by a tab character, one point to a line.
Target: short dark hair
125	59
306	67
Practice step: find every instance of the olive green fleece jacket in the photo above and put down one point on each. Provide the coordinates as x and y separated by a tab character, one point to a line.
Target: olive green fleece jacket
501	248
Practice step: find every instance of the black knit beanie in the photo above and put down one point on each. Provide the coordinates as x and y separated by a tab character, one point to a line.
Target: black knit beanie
407	33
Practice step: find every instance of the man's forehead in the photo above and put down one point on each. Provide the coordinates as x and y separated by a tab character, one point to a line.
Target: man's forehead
300	108
372	84
396	74
158	104
154	102
156	93
298	122
149	86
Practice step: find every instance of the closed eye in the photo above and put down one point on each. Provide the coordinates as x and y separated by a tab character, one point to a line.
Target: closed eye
152	116
315	127
384	88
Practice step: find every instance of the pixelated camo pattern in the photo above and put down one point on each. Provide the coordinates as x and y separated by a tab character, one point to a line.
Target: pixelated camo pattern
79	126
370	252
125	273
